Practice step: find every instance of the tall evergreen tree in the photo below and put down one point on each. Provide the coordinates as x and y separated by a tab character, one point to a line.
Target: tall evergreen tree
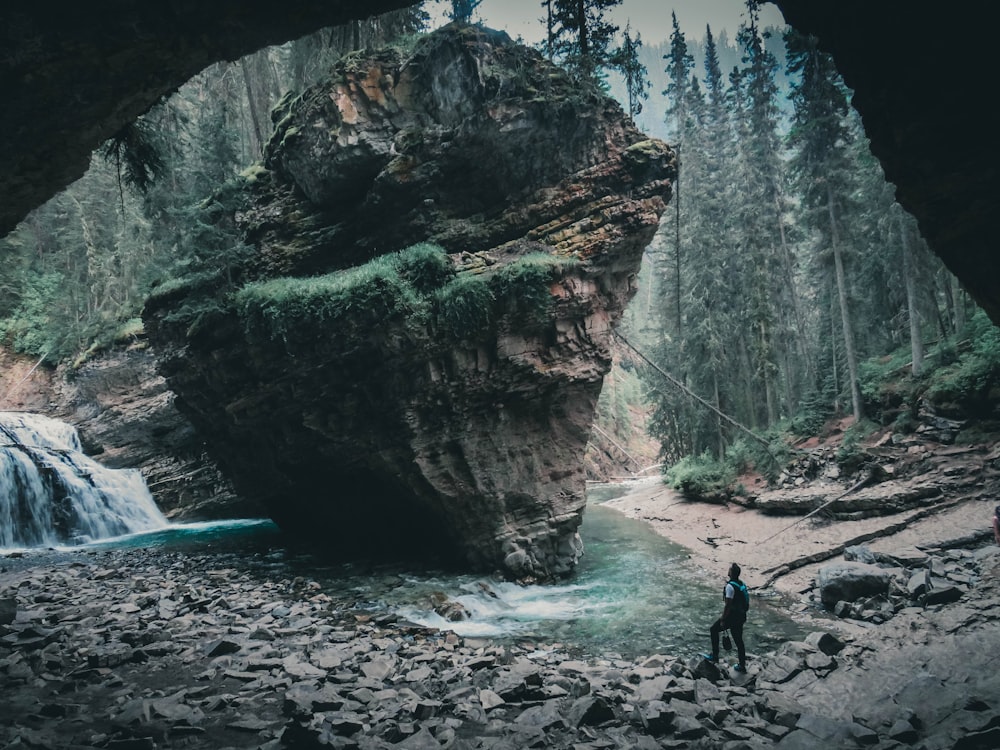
462	10
822	170
582	36
626	59
760	223
678	93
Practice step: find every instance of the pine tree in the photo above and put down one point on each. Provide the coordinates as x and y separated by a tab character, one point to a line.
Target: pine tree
821	165
759	222
582	36
462	10
626	59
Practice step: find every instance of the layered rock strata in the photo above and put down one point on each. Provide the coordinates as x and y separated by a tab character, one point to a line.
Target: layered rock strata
441	397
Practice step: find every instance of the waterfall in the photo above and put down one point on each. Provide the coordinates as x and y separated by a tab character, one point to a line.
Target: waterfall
53	494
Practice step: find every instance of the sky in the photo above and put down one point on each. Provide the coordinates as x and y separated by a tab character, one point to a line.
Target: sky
651	18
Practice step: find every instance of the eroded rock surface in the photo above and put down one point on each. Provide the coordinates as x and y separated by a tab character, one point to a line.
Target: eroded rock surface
450	407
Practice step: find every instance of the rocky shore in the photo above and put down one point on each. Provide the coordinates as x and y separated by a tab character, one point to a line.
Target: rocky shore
145	649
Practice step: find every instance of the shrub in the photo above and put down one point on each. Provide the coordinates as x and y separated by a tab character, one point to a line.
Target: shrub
353	301
171	290
851	456
976	373
350	302
464	307
700	476
524	286
128	331
38	327
813	412
745	454
425	266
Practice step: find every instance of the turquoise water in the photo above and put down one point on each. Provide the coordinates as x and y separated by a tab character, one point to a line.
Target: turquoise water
633	593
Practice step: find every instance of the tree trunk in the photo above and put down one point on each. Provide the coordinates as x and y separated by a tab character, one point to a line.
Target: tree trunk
549	30
254	107
916	337
677	243
845	318
718	420
800	318
958	303
834	365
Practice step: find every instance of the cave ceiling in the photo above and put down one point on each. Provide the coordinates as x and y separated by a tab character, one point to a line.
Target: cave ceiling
72	75
922	80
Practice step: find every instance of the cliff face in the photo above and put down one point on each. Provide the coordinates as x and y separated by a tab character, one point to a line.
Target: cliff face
439	397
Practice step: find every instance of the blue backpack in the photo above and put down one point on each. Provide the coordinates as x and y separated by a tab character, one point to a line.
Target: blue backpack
741	599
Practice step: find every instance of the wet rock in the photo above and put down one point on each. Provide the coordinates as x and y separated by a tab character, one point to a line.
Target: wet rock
831	733
704	669
656	717
544	717
903	731
861	554
918	584
306	699
378	668
781	669
687	729
590	711
221	648
8	610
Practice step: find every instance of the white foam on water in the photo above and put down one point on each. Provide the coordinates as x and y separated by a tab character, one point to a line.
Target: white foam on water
52	494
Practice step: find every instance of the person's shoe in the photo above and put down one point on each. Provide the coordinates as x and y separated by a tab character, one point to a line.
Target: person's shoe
740	669
709	657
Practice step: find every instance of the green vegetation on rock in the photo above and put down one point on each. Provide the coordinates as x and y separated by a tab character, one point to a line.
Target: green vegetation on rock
464	307
523	286
415	287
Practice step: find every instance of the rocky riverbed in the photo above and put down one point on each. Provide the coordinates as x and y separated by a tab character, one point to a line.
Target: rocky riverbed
158	649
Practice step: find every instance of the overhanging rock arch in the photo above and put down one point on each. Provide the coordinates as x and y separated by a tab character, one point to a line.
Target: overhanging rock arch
72	75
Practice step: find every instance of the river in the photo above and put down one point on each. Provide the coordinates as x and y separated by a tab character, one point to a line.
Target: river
633	593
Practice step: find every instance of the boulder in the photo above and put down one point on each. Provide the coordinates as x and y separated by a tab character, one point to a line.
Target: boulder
850	581
436	399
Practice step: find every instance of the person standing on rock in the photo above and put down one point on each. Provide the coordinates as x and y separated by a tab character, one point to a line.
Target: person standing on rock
736	601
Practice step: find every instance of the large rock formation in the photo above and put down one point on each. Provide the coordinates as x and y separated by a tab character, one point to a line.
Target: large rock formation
442	397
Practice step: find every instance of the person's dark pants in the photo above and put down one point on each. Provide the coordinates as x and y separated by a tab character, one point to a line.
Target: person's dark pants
736	630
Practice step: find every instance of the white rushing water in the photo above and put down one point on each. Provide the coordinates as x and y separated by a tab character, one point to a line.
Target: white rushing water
52	494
